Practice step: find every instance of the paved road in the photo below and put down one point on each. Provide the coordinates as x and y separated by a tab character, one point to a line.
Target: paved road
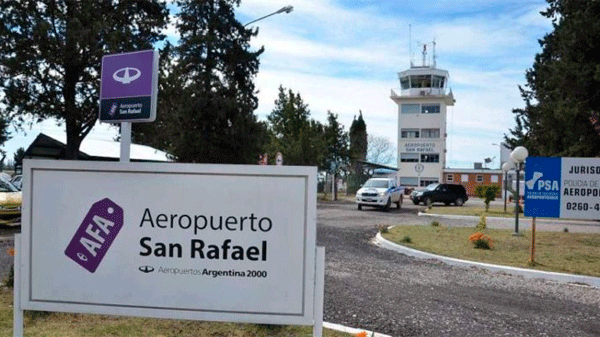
371	288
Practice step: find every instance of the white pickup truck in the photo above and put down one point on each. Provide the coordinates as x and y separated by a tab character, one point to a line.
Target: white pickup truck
380	192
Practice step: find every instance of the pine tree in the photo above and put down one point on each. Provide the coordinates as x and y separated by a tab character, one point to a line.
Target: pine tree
293	133
357	151
51	51
358	139
213	117
561	95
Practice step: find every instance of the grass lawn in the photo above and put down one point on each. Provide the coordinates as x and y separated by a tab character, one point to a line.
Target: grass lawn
39	323
574	253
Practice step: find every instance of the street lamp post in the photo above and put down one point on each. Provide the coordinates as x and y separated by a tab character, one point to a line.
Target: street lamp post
506	167
286	9
518	156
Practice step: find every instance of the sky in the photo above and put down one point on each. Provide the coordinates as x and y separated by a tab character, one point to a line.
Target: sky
344	57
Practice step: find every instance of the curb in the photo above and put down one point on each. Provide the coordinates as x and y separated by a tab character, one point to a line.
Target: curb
527	273
528	220
345	329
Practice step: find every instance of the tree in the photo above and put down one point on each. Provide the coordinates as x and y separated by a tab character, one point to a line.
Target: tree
293	133
211	114
18	156
4	134
381	151
562	104
488	193
357	151
358	139
50	56
336	139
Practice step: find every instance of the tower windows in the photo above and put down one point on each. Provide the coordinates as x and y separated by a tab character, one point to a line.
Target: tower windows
410	108
430	158
430	133
420	108
409	133
430	108
409	157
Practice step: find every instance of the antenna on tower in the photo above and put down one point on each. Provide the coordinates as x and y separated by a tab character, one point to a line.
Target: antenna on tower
424	54
434	56
410	44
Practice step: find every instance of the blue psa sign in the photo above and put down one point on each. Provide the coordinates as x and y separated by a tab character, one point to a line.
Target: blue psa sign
562	187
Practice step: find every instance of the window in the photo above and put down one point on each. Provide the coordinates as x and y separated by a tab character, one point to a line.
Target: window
420	81
409	133
409	157
430	133
428	181
438	81
430	158
464	177
450	178
410	108
430	108
494	178
404	83
479	178
409	181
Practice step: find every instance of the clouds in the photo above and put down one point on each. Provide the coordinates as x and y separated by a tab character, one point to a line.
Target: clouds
345	57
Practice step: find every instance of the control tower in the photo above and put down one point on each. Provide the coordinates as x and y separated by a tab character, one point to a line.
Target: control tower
422	106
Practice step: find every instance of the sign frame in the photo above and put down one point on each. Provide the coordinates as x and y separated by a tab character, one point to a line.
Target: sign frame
131	94
30	233
562	187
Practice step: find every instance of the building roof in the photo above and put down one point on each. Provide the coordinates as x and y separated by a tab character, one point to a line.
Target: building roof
54	147
465	170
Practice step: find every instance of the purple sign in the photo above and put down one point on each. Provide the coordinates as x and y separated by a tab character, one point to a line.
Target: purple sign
129	87
95	234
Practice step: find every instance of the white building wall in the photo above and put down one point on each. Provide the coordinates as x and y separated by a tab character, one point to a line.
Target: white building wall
418	173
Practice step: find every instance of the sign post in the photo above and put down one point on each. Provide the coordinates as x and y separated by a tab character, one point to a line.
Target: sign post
128	92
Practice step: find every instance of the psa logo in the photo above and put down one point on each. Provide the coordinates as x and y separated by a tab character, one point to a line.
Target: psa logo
96	233
542	185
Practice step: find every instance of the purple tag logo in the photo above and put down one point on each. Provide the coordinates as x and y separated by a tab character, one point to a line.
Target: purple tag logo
95	234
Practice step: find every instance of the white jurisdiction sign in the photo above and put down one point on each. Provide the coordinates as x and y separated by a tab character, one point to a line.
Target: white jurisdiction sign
186	241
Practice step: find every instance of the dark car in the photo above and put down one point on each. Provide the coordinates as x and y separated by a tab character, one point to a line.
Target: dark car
446	193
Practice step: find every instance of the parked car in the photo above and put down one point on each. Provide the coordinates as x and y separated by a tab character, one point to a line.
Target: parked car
446	193
17	181
380	192
10	204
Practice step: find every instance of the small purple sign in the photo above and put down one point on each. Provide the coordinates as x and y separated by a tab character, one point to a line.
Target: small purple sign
129	87
127	75
95	234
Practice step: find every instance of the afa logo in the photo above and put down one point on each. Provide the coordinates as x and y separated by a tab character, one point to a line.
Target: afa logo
536	183
95	235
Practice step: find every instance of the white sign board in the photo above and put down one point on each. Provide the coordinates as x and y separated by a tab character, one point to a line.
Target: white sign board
186	241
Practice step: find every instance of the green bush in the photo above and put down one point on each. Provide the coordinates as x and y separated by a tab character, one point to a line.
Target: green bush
434	224
488	193
406	239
